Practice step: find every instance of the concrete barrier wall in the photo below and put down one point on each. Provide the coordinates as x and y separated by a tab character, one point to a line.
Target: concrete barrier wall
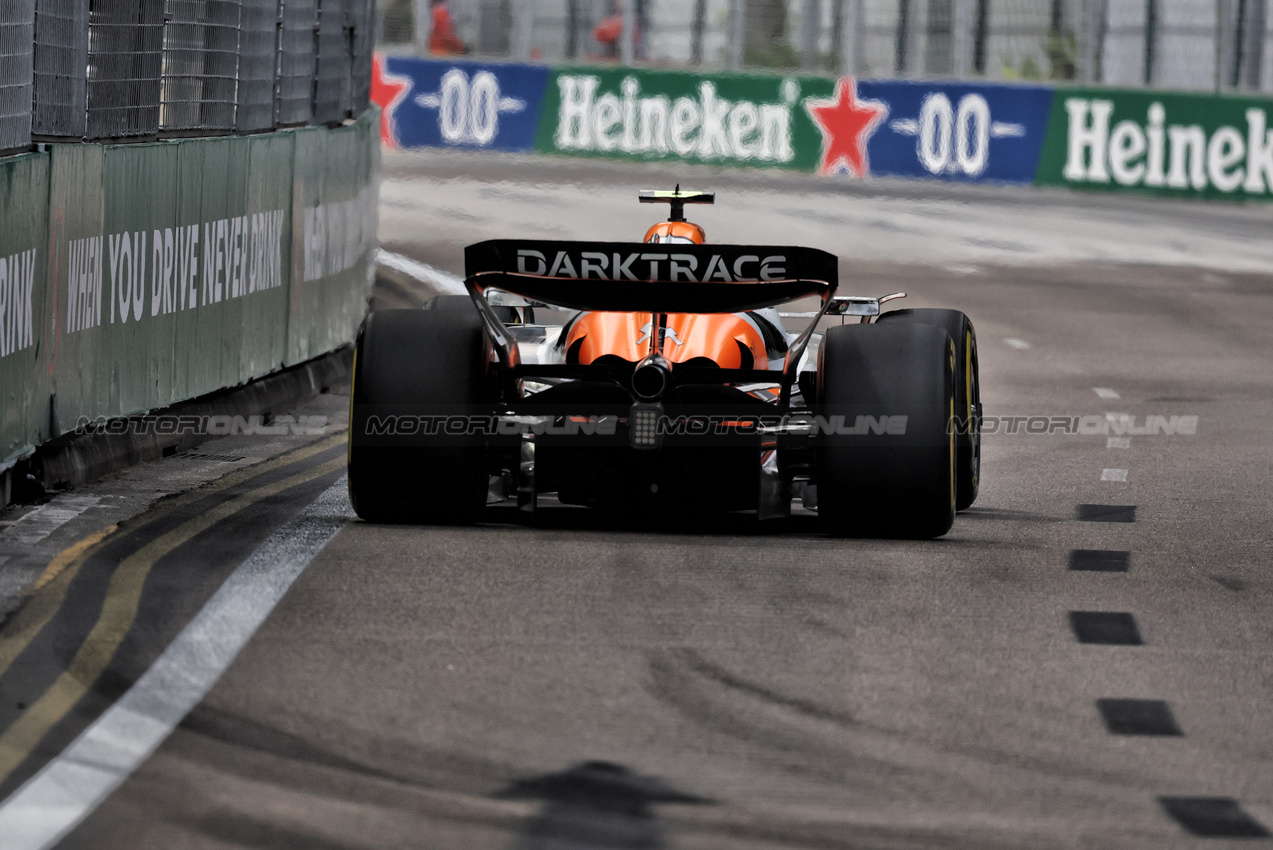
135	276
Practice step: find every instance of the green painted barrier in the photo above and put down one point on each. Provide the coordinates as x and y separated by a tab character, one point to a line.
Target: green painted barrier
24	368
136	276
727	119
333	236
1159	143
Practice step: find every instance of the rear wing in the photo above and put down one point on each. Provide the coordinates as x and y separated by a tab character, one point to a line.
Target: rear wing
637	277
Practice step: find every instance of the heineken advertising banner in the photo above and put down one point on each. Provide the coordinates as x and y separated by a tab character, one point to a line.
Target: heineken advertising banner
957	131
1111	140
805	123
1161	143
467	105
135	276
830	126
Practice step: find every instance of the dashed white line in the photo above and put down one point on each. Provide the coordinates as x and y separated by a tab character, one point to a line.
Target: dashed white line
1105	392
1114	475
1019	344
67	789
1118	442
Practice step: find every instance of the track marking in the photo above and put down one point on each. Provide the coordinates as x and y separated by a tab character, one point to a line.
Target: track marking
1118	442
1105	392
69	788
69	555
1019	344
42	607
1100	560
1106	628
1212	817
1138	717
444	283
1114	475
57	576
1106	513
119	610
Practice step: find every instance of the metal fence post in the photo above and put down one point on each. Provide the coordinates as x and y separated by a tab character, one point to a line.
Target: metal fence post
1149	75
696	32
1091	31
737	33
854	37
849	20
627	39
1221	45
961	38
1265	73
810	26
523	22
1252	44
916	38
422	25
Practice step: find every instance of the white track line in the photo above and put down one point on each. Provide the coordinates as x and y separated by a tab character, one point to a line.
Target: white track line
1019	344
444	283
1113	474
1118	442
67	789
1105	392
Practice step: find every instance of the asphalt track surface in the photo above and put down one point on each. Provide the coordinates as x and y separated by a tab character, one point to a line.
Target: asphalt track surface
1085	661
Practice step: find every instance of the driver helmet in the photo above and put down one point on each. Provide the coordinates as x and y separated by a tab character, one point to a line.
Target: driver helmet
676	233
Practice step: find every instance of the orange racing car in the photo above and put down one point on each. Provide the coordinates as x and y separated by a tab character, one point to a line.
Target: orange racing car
669	382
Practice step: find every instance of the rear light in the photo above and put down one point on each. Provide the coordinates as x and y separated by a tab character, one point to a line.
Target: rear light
643	426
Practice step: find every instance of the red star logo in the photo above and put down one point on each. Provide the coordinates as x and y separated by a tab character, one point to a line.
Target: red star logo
846	124
387	91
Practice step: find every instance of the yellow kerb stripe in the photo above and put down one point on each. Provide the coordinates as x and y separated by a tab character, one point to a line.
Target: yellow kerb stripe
48	592
118	613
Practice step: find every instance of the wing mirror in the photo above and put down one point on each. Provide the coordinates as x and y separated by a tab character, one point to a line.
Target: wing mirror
859	305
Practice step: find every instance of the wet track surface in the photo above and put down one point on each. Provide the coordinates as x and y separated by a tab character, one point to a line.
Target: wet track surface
1085	661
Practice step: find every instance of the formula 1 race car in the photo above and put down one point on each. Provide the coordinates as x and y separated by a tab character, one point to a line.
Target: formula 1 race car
668	382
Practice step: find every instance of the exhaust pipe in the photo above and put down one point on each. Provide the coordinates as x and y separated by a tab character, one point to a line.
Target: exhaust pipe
651	377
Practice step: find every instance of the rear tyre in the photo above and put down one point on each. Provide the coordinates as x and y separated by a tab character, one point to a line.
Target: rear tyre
879	474
415	370
967	394
451	304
